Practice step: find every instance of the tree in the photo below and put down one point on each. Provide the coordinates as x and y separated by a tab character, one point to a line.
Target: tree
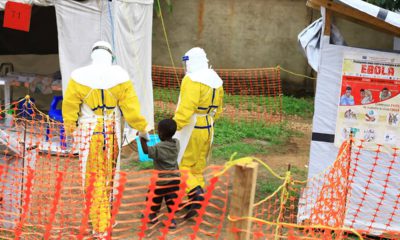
387	4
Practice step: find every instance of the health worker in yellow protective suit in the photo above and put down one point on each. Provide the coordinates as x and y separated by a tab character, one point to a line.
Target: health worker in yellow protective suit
200	104
95	97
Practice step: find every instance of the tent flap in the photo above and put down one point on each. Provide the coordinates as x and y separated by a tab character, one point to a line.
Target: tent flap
127	25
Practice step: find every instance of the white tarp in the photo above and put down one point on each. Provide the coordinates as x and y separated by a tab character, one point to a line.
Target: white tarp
133	33
310	40
388	16
127	25
79	25
51	2
323	153
396	44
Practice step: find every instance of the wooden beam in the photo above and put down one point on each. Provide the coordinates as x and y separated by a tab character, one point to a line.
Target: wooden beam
328	22
357	16
313	6
244	188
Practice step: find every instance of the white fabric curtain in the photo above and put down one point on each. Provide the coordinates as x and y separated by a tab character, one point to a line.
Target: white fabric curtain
133	34
127	25
79	26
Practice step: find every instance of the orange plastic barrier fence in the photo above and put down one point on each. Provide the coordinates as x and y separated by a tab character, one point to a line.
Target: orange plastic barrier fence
357	197
57	187
250	94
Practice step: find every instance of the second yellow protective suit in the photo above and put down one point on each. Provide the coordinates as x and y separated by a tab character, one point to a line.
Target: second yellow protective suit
205	104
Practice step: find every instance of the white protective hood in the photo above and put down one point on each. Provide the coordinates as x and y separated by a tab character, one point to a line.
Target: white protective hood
101	74
197	68
98	76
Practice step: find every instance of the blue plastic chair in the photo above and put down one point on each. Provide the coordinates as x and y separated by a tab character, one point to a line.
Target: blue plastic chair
154	139
56	114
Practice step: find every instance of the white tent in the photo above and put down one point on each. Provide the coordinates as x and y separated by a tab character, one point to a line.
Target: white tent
323	151
126	24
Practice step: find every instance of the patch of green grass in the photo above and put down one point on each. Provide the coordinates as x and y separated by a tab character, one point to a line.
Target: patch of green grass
291	106
166	94
242	150
298	173
231	132
248	139
302	107
268	186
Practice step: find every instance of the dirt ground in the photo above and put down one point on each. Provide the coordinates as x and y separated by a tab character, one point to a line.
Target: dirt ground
297	150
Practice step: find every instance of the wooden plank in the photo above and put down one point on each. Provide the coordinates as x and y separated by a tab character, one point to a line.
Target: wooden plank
357	16
310	4
328	22
244	188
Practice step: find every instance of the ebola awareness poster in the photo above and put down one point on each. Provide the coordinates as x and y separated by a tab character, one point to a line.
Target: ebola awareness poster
369	101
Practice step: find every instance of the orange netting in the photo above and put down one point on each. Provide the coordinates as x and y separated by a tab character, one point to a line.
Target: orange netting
46	193
357	197
250	94
57	187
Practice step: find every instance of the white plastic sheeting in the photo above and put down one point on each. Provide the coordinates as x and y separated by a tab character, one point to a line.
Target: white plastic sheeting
133	33
51	2
323	153
79	26
310	40
396	44
388	16
127	25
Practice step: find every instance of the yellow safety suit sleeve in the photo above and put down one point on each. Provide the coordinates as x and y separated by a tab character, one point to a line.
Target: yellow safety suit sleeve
189	101
220	103
71	103
130	107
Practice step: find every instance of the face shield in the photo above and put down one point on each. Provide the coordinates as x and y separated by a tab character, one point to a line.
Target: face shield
185	60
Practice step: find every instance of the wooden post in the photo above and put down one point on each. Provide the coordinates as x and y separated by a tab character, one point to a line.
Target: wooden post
244	188
328	22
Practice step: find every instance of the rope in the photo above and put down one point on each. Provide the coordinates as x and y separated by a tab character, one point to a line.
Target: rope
285	183
248	160
112	31
283	200
168	46
295	74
